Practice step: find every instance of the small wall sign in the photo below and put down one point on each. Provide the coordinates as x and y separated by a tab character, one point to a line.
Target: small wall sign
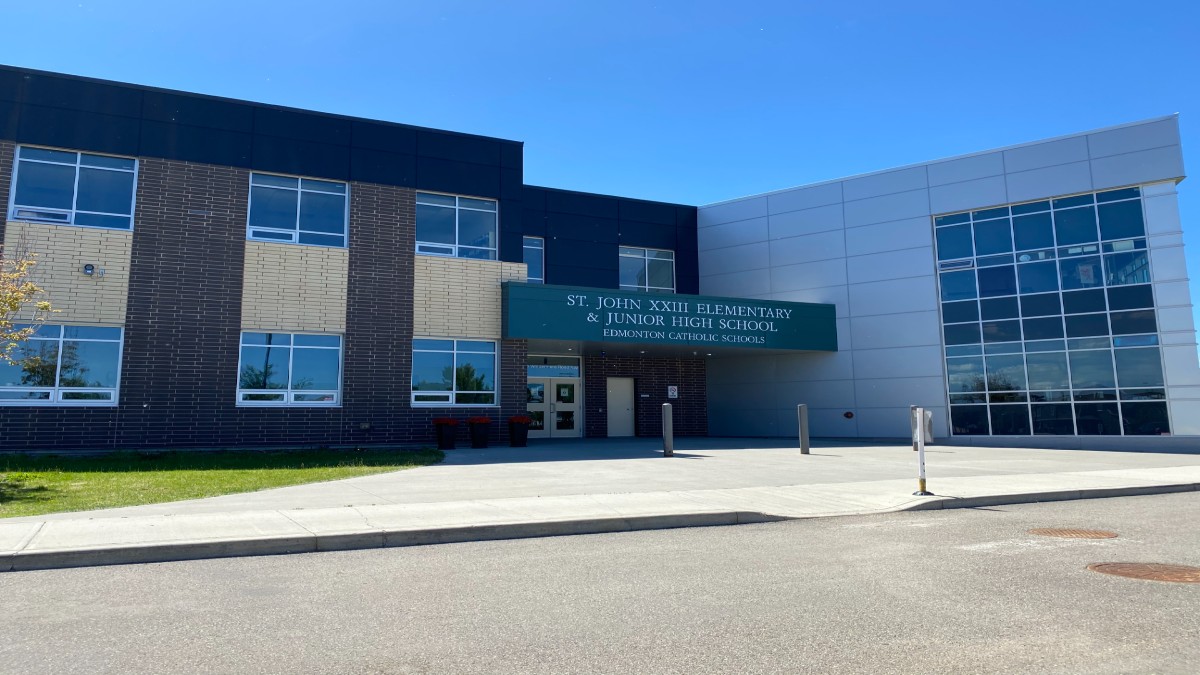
672	392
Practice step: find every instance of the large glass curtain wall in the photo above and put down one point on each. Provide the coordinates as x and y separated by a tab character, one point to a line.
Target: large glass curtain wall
1048	318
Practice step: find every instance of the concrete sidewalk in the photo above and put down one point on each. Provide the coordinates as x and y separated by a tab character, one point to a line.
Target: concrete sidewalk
555	488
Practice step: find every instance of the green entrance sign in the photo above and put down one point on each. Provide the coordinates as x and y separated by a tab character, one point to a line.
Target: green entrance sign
537	311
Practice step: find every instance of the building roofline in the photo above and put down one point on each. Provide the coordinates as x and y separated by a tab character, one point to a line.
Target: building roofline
238	101
914	165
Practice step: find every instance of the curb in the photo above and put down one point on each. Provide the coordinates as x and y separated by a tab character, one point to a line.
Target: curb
1048	496
351	541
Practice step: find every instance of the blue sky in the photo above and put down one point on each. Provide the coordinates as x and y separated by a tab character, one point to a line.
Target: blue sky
688	101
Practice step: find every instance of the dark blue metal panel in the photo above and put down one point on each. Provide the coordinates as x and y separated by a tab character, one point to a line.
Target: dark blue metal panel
288	155
386	168
197	111
384	137
466	178
72	94
77	130
195	144
301	126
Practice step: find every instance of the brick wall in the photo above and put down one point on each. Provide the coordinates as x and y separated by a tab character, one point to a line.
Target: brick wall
7	152
188	265
294	288
651	377
459	297
61	252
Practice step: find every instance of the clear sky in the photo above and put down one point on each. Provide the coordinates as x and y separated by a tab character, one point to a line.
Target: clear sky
692	101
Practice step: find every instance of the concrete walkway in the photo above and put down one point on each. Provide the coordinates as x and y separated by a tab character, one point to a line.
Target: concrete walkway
554	488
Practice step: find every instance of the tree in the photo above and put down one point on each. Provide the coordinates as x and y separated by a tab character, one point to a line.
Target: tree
18	303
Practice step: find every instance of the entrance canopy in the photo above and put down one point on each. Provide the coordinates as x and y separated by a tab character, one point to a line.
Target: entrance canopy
614	319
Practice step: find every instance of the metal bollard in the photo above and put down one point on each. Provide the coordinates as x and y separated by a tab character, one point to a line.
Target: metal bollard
802	420
668	431
918	423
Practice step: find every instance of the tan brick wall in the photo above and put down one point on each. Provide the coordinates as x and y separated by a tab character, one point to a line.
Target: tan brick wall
289	287
458	297
62	251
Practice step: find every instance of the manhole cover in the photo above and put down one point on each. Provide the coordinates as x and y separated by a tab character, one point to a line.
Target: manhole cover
1151	571
1071	533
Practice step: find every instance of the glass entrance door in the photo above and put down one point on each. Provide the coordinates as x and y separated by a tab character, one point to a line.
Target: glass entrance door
553	404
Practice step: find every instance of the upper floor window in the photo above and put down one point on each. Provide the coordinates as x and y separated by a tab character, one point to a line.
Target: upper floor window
647	269
73	188
460	227
63	365
535	259
297	210
290	369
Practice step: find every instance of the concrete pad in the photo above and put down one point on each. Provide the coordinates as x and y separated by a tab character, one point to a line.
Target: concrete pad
65	535
14	536
584	487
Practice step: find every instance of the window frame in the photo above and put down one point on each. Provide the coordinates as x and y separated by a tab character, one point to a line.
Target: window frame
56	392
299	190
645	258
73	211
452	394
1083	339
458	209
541	249
289	392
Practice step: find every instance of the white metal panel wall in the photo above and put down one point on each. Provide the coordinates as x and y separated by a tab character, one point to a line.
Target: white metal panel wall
865	244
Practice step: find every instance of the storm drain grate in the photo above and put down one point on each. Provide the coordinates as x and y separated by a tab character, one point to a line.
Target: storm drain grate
1071	533
1182	574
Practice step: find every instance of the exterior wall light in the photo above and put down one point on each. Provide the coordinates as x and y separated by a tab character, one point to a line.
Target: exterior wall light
89	269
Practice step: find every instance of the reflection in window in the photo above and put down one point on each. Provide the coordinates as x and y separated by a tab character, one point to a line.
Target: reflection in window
63	365
453	372
73	188
647	269
1092	370
459	227
1064	342
534	256
1075	226
1139	368
297	210
954	242
300	369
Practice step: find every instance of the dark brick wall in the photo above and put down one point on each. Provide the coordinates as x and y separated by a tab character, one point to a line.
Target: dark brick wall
651	377
48	427
179	367
7	153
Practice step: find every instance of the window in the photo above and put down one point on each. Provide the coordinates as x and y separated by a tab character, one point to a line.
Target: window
647	269
459	227
64	365
297	210
1079	311
301	369
73	188
453	372
535	259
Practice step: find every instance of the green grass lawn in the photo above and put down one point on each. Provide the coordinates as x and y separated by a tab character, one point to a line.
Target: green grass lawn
32	484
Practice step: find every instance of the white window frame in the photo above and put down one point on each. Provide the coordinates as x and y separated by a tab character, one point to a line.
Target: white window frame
57	392
452	394
452	250
300	189
627	252
534	244
67	217
289	394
